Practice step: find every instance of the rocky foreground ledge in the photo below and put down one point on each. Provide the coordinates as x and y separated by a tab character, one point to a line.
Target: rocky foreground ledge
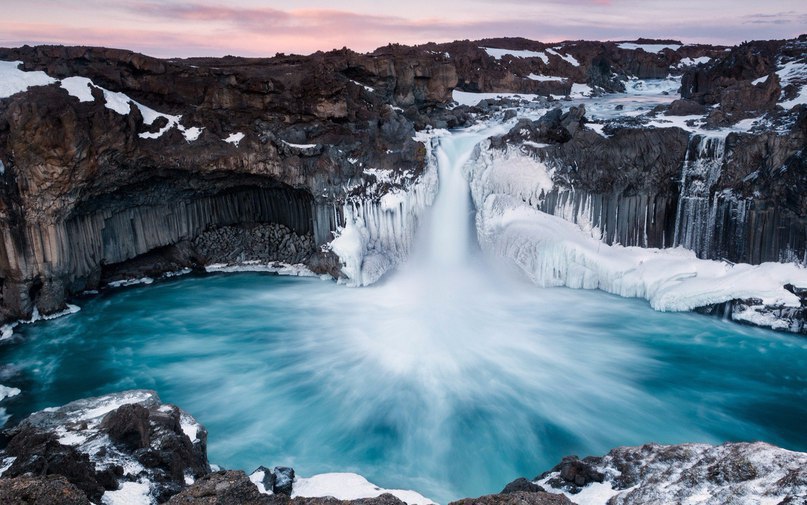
130	448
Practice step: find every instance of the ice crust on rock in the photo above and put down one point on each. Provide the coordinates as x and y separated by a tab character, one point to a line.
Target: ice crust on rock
379	230
507	187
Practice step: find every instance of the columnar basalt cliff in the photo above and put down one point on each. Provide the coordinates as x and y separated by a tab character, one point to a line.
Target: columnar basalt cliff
116	164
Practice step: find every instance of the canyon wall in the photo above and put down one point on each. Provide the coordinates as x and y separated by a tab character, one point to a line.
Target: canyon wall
113	159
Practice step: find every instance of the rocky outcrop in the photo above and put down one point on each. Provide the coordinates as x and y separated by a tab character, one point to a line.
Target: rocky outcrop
147	154
729	474
130	443
518	498
105	444
48	490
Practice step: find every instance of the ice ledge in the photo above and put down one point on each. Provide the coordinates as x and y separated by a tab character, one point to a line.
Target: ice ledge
555	252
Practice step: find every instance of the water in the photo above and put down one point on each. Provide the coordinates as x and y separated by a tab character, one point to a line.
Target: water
447	378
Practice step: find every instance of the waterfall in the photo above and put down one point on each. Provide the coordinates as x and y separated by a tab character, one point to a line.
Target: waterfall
697	210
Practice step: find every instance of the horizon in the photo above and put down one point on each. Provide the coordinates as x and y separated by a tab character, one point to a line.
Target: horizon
254	28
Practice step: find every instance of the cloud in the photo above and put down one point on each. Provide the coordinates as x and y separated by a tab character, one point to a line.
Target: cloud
215	28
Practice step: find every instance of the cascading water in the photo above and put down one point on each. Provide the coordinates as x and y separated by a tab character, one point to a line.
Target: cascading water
697	210
444	378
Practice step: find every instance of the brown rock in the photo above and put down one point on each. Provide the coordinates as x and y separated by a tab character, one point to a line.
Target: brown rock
519	498
45	490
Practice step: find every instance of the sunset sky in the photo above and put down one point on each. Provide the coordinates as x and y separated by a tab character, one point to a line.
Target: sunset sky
259	28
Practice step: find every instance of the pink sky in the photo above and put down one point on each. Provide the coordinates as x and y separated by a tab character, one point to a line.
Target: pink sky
259	28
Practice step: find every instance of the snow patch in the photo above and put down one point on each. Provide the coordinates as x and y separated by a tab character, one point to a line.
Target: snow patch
545	78
368	88
566	57
234	138
691	62
350	486
650	48
279	268
130	282
130	493
499	53
13	80
299	146
471	99
8	392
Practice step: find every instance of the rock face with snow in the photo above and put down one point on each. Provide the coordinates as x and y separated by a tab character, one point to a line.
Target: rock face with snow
120	444
729	474
109	155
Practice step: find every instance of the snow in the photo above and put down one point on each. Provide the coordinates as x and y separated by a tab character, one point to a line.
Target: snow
6	463
650	48
545	78
192	134
130	493
581	90
379	229
234	138
8	392
299	146
130	282
13	80
189	427
7	331
567	57
368	88
794	73
36	316
685	474
468	98
349	486
551	251
499	53
691	62
105	404
256	266
257	479
79	87
596	493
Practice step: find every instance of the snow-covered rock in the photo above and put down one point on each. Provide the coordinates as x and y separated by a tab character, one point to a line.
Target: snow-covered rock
123	448
692	474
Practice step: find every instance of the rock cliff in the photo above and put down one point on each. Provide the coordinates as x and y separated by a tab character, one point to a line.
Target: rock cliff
116	164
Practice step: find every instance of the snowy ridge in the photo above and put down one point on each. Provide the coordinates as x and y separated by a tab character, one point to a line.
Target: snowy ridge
13	80
379	229
692	474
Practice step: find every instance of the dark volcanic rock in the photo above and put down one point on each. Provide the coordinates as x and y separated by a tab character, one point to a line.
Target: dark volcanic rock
517	498
100	443
48	490
222	488
522	485
283	480
39	453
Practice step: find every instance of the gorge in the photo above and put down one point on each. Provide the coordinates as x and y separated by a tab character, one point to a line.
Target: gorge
370	175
